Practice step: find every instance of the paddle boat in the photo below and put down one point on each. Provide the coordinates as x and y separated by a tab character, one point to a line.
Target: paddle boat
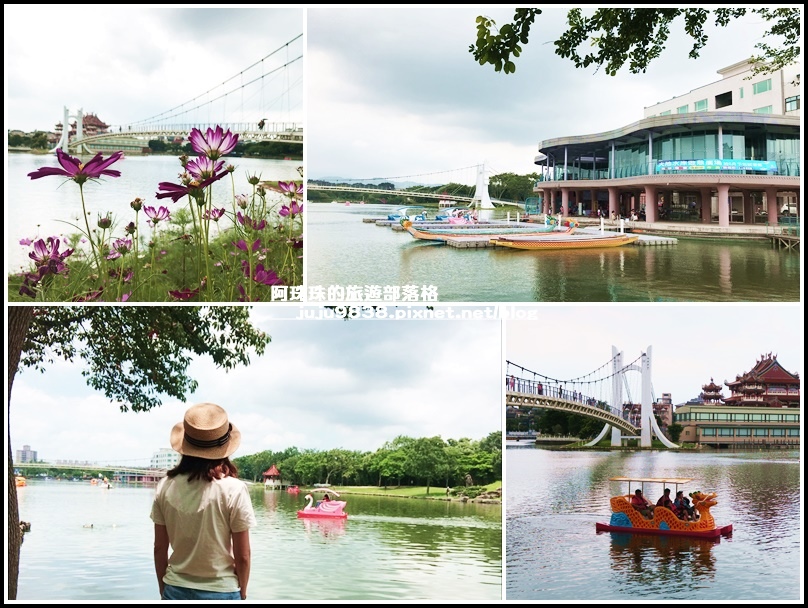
20	481
293	490
476	231
663	521
327	507
414	214
564	240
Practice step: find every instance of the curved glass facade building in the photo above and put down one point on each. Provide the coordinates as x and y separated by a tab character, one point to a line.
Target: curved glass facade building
711	165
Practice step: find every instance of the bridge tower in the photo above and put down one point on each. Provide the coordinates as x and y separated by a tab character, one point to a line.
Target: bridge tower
65	139
648	423
481	198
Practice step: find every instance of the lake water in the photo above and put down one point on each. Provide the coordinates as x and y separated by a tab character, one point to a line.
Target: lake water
387	549
554	499
343	250
50	207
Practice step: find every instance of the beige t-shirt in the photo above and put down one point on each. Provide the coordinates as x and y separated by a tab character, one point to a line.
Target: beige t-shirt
200	517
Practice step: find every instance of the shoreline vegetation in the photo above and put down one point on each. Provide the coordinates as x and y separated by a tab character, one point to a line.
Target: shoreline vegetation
488	494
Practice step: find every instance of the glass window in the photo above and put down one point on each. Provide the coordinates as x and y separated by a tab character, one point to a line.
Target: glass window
792	103
722	416
758	417
703	416
707	432
793	432
682	109
665	113
740	93
761	432
725	432
701	106
744	432
763	110
723	100
778	432
762	86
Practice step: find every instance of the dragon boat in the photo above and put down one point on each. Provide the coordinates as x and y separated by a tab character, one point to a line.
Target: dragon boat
663	521
327	507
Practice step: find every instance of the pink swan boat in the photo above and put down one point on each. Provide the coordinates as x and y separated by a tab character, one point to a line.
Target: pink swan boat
324	508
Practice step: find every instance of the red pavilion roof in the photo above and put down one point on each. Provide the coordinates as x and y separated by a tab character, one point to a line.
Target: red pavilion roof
272	472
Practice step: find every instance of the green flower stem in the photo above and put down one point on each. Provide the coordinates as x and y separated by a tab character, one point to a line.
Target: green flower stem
87	224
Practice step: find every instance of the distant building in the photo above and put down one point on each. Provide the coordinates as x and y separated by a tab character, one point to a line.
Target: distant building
26	454
90	124
272	478
663	410
166	459
762	411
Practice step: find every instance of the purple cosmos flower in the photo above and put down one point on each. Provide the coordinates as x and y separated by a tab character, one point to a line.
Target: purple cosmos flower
78	172
46	256
242	244
25	242
156	215
293	210
242	200
203	168
214	143
244	297
292	189
176	191
183	294
213	214
246	220
261	275
120	247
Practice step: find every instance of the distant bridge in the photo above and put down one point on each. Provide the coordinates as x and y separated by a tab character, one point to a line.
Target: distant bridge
412	193
291	133
119	471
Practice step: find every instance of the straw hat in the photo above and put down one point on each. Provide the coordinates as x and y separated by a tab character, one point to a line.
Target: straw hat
205	432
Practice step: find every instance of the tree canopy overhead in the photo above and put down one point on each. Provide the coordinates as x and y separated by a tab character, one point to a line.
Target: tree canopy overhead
615	37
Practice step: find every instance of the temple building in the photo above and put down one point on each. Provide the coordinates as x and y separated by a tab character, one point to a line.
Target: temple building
763	410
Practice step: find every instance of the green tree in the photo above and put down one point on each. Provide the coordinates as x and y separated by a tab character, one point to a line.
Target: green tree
425	457
612	37
675	430
132	354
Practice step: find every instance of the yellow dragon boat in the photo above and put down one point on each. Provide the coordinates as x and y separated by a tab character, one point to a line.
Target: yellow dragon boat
662	520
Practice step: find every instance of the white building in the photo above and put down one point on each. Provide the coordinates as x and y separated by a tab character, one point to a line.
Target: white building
739	91
26	454
166	458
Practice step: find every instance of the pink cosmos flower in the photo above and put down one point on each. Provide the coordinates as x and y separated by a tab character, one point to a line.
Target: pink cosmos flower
78	172
214	143
293	210
156	215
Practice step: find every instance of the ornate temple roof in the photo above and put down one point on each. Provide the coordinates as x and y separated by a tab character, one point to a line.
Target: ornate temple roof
272	472
766	370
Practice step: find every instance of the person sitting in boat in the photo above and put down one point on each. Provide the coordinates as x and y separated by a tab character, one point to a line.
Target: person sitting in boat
682	510
642	504
665	499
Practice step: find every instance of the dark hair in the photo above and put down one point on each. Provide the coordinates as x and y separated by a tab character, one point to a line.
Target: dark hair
667	491
638	491
204	468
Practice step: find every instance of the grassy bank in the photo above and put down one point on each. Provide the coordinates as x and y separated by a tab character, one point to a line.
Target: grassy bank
435	492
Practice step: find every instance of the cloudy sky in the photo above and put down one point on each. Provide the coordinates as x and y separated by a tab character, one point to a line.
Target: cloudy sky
321	384
690	343
128	63
394	91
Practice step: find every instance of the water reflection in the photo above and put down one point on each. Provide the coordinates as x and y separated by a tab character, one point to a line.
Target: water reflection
658	560
330	529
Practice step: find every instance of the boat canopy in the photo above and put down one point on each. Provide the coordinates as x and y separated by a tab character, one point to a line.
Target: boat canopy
671	480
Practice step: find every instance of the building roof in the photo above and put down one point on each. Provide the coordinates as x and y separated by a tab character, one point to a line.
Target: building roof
272	472
766	370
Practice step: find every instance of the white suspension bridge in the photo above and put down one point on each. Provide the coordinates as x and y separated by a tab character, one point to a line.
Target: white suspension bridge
263	102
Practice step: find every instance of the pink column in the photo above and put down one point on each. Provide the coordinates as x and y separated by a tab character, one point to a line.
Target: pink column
771	205
565	201
614	203
651	209
723	205
706	195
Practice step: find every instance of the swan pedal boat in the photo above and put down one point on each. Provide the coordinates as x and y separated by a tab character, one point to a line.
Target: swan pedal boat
333	509
626	519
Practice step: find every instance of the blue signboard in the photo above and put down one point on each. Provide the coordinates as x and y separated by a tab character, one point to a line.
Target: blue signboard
716	165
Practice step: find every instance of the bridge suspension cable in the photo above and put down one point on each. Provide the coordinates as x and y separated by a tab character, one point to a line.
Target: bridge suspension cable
174	112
